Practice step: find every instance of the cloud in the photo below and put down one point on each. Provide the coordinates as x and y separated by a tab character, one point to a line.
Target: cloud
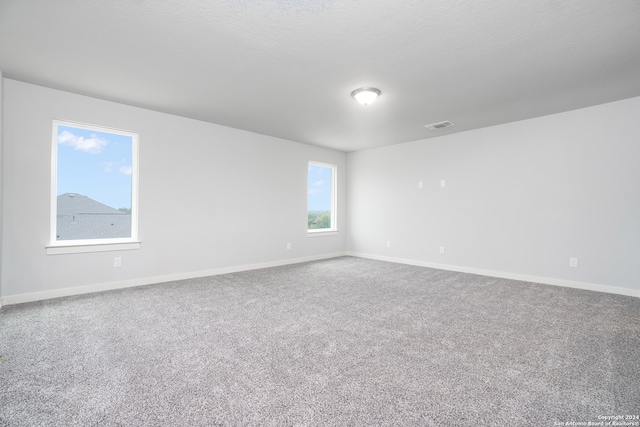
93	145
317	188
110	166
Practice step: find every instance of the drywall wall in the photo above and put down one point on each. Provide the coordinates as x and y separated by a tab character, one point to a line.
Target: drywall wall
211	197
1	180
519	199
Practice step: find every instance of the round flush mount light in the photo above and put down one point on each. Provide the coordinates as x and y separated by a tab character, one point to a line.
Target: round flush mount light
366	95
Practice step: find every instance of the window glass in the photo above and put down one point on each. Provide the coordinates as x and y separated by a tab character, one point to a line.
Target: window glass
321	197
94	196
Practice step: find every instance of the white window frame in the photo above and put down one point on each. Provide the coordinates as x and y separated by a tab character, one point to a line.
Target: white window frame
333	230
57	247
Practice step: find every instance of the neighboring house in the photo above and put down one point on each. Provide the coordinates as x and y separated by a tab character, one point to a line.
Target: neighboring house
79	218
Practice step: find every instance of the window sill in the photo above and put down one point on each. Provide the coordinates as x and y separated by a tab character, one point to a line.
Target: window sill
85	248
319	233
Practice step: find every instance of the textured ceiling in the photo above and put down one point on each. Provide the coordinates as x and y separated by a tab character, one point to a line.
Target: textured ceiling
286	67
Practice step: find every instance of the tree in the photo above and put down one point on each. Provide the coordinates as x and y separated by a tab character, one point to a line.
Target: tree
323	221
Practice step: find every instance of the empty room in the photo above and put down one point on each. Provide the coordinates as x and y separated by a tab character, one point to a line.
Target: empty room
319	213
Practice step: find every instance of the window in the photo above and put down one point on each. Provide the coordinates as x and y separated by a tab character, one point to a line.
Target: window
321	201
94	189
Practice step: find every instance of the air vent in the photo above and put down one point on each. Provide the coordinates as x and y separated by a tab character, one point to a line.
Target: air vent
439	125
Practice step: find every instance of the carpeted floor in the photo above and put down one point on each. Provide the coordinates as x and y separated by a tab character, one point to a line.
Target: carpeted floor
344	342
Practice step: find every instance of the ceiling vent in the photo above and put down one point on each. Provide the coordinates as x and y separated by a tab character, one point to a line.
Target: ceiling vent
439	125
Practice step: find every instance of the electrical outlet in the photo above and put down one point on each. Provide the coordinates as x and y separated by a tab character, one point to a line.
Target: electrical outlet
388	243
117	261
441	249
420	184
573	262
442	183
288	246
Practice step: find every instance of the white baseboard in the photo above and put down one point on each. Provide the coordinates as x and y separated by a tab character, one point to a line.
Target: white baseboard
505	275
57	293
79	290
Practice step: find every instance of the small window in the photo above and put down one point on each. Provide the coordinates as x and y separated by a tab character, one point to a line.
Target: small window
94	186
321	202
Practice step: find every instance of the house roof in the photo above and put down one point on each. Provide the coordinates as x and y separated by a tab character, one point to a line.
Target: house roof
74	204
286	67
80	217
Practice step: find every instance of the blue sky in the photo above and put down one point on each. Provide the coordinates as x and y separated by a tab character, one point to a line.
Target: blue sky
319	188
95	164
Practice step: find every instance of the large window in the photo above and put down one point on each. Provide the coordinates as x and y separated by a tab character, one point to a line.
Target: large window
94	187
321	202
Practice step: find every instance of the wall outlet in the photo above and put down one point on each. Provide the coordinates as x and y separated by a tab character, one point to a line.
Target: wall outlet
288	246
573	262
442	183
388	243
420	184
441	249
117	261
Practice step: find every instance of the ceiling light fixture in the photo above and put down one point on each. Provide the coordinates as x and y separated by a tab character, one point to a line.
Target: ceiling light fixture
366	95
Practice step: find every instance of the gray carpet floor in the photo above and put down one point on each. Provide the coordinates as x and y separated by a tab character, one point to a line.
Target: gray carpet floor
344	342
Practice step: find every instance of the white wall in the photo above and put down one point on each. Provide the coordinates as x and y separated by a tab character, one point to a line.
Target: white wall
211	197
520	199
1	179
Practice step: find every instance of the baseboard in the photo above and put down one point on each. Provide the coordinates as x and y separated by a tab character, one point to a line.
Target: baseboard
505	275
57	293
79	290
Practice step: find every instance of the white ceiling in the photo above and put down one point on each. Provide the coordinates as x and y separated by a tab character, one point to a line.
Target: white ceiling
286	67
